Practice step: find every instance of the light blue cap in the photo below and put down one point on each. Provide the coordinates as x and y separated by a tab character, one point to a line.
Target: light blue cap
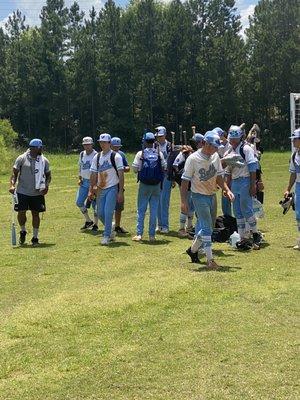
104	137
235	132
116	141
35	143
149	136
212	138
161	131
219	131
198	137
296	134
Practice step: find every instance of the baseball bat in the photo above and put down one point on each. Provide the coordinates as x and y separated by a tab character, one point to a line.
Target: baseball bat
184	137
13	224
193	130
180	134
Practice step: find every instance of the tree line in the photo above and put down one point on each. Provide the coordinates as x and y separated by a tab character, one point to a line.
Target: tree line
124	70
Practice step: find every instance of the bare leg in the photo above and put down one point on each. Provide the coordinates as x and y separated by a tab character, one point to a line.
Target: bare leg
118	215
22	218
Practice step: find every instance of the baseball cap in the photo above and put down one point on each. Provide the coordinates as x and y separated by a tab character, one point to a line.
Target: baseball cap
161	131
35	143
219	131
235	132
296	134
149	136
198	137
87	140
116	141
212	138
104	137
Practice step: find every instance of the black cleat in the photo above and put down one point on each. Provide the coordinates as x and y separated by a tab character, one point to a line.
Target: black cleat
87	225
194	256
22	237
95	228
35	241
119	229
244	244
257	239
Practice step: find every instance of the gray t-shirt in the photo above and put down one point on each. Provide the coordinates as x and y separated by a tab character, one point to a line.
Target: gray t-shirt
26	179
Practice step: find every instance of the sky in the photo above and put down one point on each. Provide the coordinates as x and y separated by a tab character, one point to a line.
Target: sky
32	8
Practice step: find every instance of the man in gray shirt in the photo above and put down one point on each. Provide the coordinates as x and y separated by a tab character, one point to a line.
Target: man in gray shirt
30	180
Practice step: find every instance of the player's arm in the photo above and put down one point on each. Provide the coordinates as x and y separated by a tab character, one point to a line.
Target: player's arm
223	185
290	184
13	180
120	197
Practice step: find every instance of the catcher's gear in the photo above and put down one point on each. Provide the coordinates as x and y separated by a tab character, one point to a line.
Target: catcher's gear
287	203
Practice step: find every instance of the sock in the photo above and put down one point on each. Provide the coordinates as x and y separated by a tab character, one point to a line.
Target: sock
189	221
252	224
23	229
182	220
35	232
85	214
196	244
241	224
207	247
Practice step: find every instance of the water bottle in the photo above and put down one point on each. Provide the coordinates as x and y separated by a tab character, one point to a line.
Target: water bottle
234	238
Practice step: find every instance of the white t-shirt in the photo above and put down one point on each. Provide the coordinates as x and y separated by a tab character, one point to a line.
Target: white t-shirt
295	166
107	175
149	154
85	162
241	170
202	171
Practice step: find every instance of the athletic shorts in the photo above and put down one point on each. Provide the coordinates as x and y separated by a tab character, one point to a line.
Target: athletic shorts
32	203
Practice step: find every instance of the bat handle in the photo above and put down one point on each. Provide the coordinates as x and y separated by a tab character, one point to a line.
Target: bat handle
193	130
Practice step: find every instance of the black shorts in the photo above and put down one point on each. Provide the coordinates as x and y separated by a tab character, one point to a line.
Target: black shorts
33	203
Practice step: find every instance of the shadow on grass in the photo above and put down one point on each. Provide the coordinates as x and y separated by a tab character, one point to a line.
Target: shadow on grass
92	233
117	244
157	242
222	268
221	253
39	246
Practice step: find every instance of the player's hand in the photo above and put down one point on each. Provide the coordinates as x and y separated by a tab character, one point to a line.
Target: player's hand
252	190
173	184
260	186
120	197
12	189
45	191
286	194
79	182
230	195
184	207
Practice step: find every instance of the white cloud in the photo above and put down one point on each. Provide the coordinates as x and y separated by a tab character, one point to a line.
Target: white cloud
245	14
32	8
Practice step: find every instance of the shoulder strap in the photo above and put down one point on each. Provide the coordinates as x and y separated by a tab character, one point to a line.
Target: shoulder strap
81	156
294	156
242	153
113	161
98	158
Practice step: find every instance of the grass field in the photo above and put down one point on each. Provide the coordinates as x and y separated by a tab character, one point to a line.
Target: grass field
137	321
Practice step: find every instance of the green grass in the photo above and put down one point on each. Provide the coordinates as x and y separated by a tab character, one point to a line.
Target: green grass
137	321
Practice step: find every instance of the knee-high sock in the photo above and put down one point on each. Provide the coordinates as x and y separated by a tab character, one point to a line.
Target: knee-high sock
241	224
85	214
197	242
252	224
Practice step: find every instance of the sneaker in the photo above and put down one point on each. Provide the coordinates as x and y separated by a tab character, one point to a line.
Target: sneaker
87	225
194	256
158	229
137	238
95	228
105	241
164	230
35	241
182	233
22	237
211	264
297	247
244	244
152	239
256	240
119	229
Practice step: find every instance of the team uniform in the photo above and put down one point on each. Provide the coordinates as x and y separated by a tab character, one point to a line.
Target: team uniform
225	202
148	194
202	171
295	169
108	181
120	206
85	162
165	194
240	186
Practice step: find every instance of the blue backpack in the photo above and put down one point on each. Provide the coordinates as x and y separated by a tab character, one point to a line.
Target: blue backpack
151	172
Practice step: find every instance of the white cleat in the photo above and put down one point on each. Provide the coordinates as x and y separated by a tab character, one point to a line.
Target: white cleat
164	230
137	238
105	241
